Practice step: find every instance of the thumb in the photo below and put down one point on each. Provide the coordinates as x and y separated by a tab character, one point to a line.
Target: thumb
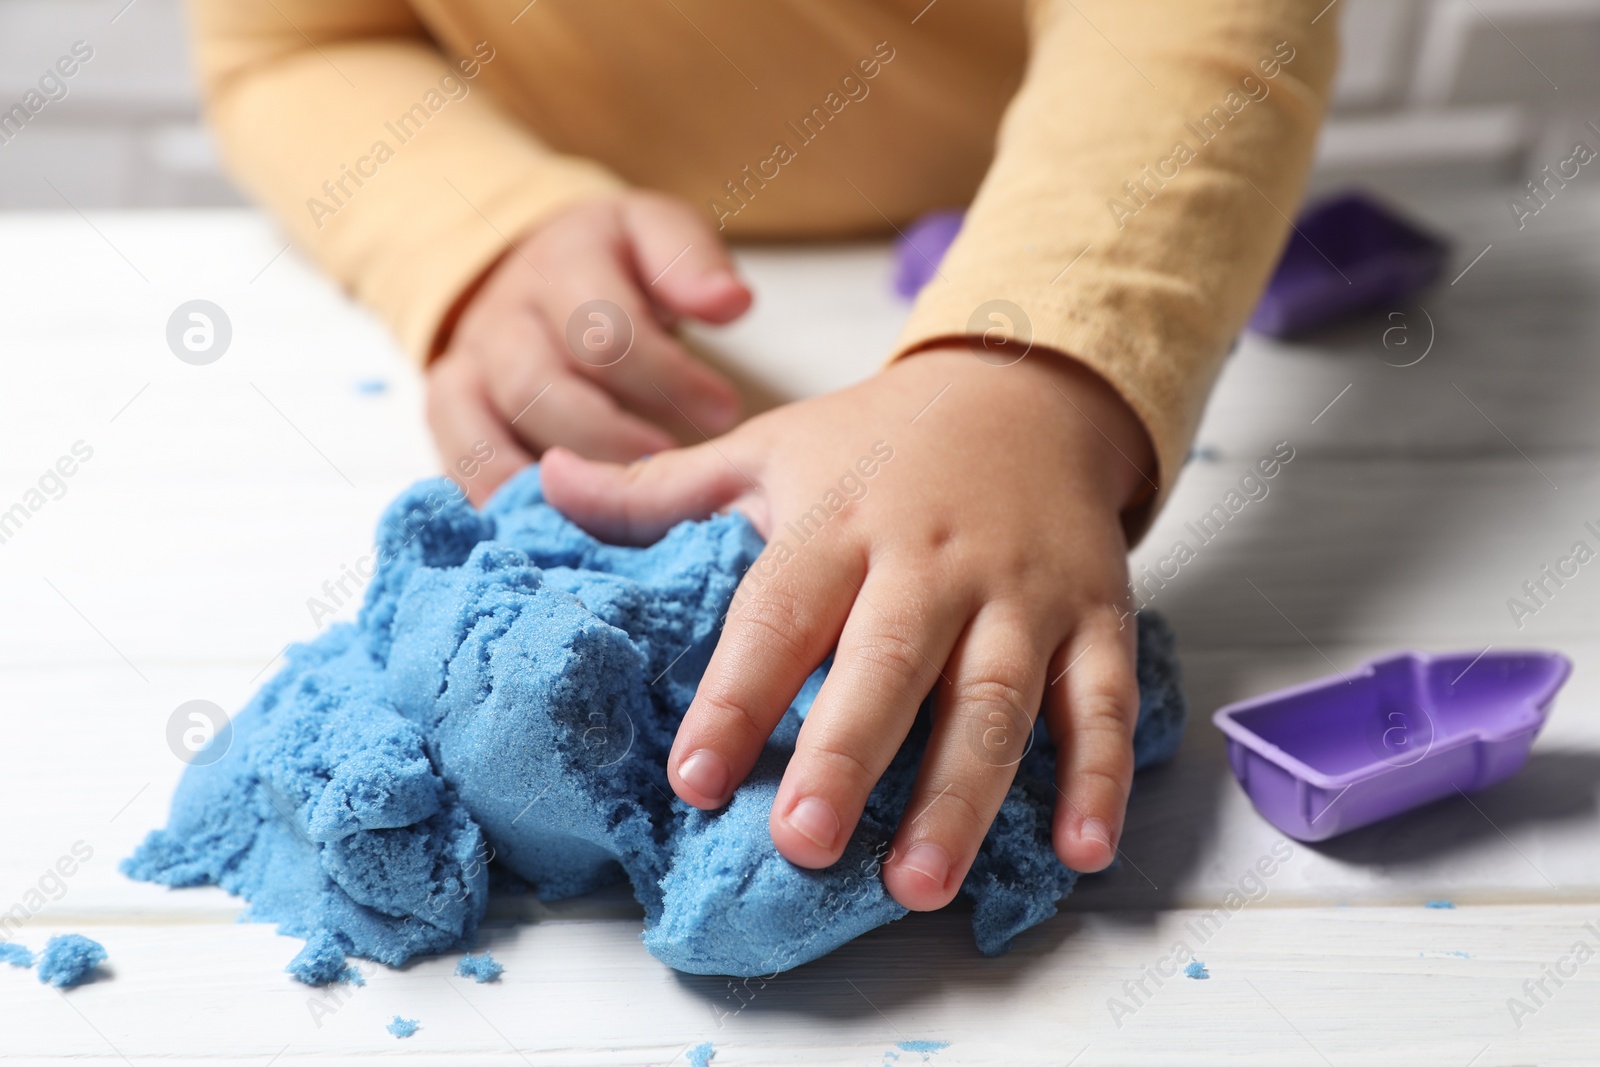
681	263
638	503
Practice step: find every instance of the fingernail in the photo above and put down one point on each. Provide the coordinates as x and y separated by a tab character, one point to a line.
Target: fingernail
1095	830
706	773
720	414
723	279
928	860
813	819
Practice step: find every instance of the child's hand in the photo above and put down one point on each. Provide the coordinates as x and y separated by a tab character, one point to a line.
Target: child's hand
530	333
947	524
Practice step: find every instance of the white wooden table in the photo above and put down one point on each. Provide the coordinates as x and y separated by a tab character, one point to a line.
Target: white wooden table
219	498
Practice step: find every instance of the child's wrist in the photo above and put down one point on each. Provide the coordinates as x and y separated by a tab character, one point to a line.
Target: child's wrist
1069	400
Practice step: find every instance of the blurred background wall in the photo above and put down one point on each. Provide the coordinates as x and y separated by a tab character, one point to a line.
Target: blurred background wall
1431	91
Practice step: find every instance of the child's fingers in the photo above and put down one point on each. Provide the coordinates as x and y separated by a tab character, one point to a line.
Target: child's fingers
545	405
601	319
785	617
897	635
983	722
1091	711
582	417
680	260
638	503
465	427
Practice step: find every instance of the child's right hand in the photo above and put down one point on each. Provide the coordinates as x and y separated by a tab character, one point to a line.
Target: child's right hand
987	563
530	333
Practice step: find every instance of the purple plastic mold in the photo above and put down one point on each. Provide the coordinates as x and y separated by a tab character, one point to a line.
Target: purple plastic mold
1346	255
1399	732
920	249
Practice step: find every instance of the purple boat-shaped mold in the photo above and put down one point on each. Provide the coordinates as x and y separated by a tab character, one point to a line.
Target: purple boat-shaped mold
1324	758
1347	255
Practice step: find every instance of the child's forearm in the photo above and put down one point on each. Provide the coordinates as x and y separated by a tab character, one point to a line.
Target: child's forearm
1142	190
383	158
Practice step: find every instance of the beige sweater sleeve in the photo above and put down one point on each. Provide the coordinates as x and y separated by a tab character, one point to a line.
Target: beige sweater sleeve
1145	177
375	150
1141	190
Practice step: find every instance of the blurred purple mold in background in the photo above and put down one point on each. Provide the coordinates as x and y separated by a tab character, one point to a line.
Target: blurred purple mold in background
1398	732
921	247
1347	255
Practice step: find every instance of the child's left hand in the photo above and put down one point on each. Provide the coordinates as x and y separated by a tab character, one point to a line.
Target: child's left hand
982	556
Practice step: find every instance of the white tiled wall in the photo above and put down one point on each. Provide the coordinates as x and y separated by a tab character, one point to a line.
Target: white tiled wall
1459	90
127	132
1439	90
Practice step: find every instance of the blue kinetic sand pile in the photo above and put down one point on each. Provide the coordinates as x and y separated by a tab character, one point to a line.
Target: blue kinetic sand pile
510	692
16	955
480	969
68	959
